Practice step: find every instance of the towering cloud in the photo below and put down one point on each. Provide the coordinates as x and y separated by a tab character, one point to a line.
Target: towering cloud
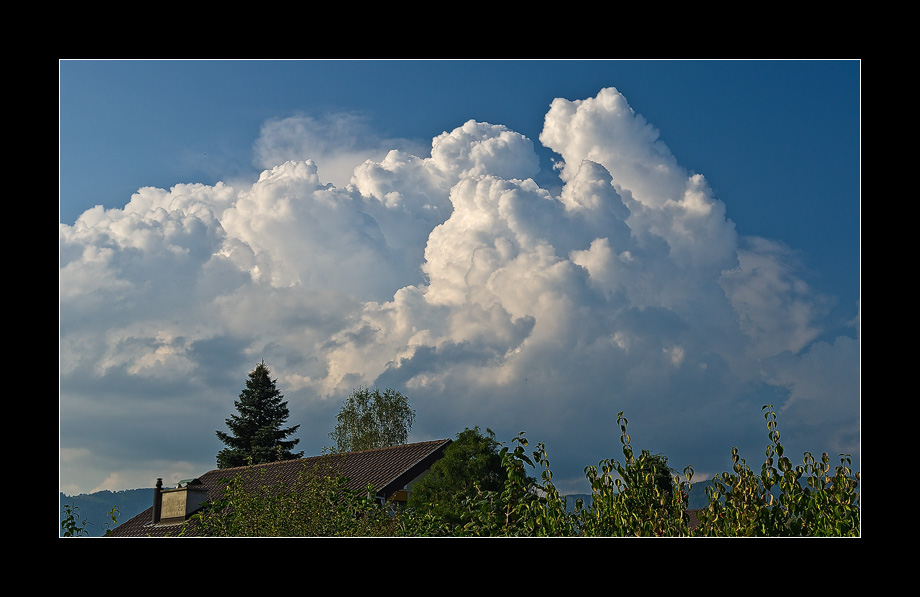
487	299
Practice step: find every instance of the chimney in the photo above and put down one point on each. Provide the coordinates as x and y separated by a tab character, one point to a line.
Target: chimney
157	501
175	505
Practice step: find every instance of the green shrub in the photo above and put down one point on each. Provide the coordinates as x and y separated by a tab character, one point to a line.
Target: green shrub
73	525
317	505
638	496
783	500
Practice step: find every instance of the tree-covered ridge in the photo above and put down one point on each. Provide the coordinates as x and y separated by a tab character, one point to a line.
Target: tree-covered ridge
89	514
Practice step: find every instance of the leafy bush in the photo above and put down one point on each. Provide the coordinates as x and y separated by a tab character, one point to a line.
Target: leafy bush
317	505
633	498
638	496
521	507
471	461
73	525
783	500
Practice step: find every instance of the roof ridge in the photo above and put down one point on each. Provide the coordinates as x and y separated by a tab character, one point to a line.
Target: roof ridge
327	455
430	441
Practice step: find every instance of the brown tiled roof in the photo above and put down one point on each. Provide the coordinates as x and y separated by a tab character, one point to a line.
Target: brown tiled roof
386	469
693	518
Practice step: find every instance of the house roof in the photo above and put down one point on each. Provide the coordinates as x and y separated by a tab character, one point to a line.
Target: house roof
386	469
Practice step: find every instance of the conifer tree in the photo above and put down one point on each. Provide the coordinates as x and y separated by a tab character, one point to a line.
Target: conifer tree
258	431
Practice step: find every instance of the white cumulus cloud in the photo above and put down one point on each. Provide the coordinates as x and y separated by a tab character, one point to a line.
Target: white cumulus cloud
453	276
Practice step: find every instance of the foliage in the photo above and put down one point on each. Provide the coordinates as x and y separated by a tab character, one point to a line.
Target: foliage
642	496
638	496
372	419
99	506
504	511
72	525
635	498
113	520
257	433
809	502
526	507
471	461
318	505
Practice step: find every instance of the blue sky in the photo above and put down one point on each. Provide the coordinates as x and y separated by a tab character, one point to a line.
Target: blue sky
156	285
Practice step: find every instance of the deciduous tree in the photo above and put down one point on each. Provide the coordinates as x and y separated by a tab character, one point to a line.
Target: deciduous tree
372	419
471	462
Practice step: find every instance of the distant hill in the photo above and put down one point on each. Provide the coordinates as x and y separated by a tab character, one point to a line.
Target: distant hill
94	508
697	498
